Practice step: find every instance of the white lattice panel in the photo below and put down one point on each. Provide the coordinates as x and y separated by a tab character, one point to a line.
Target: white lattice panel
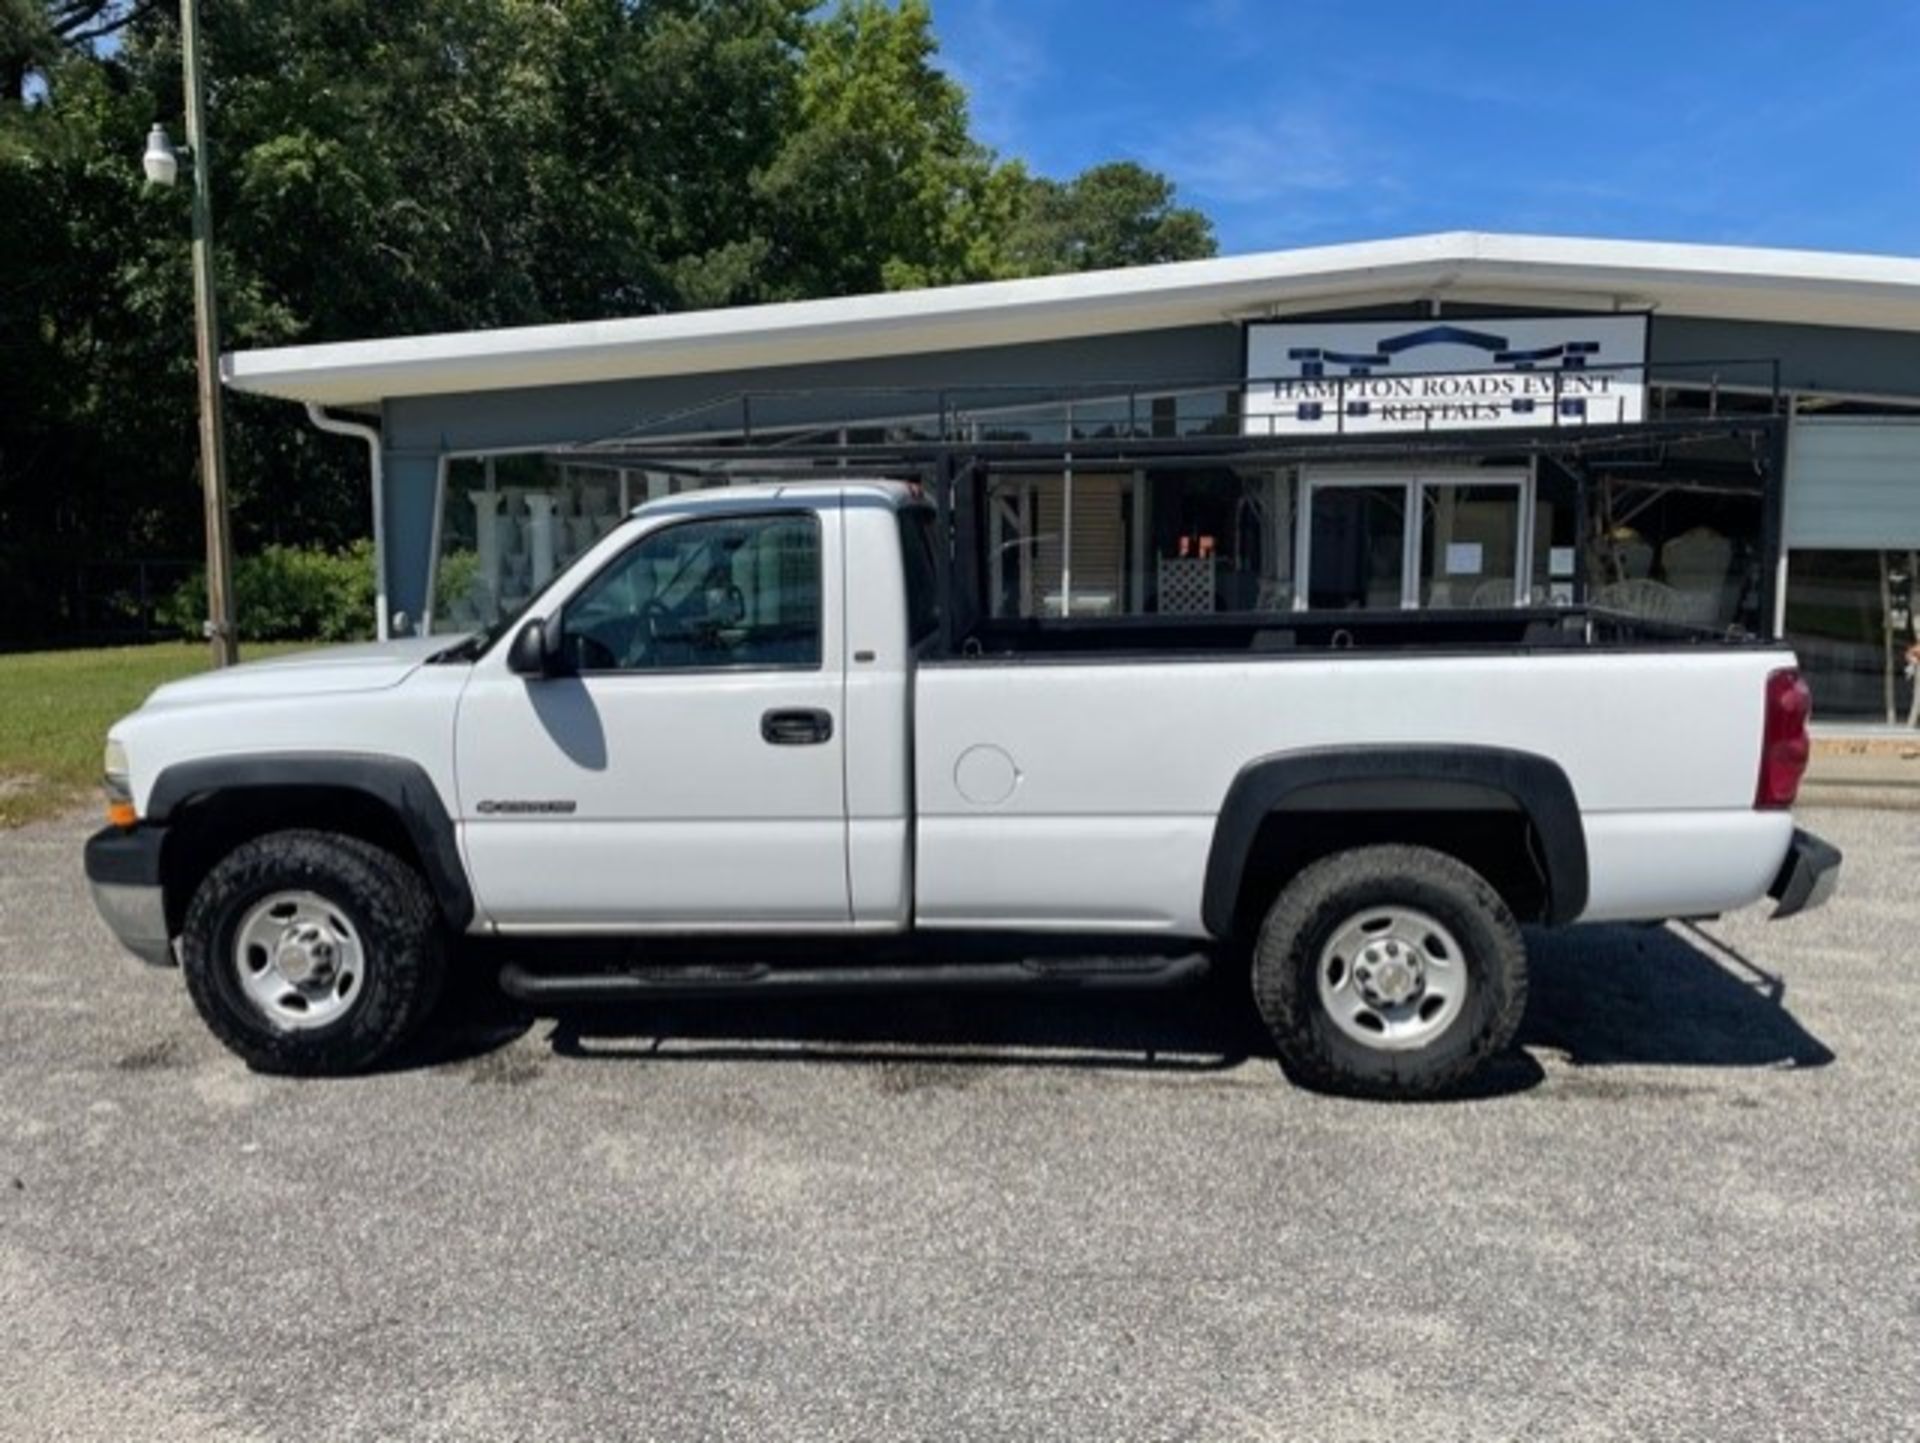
1186	585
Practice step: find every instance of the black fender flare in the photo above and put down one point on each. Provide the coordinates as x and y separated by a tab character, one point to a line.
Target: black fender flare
402	787
1399	778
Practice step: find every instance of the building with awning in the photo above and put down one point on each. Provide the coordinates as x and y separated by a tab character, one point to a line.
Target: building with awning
1719	437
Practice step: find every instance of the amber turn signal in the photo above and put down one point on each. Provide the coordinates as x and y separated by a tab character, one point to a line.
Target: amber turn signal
122	814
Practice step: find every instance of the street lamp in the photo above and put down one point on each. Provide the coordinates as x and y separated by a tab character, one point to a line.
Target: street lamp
161	161
162	165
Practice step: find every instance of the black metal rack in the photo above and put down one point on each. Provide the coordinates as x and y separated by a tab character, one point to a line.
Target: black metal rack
949	439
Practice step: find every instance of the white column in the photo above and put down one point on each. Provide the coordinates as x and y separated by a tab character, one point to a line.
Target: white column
486	537
1280	526
540	536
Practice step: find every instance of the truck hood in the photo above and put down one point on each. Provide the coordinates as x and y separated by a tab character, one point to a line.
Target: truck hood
371	666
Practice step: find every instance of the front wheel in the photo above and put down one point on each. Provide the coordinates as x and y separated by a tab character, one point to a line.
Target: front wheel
312	952
1389	971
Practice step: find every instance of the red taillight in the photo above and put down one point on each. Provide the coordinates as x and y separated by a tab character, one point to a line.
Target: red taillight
1783	743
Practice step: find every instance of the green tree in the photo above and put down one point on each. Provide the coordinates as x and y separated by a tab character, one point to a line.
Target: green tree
1117	214
388	167
35	34
878	182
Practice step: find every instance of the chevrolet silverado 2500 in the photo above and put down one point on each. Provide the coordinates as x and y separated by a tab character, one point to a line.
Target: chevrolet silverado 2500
752	713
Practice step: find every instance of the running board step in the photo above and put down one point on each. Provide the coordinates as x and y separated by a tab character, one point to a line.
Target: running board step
724	979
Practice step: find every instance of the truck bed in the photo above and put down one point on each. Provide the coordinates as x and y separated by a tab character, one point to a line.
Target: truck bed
1115	766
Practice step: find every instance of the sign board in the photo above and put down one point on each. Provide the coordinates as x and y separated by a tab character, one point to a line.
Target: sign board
1365	377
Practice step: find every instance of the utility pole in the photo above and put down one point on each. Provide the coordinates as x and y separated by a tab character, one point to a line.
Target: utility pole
206	325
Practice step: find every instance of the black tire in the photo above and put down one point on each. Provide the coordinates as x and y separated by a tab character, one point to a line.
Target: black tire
1327	895
389	905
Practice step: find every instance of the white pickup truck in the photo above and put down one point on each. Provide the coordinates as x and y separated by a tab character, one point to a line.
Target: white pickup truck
750	711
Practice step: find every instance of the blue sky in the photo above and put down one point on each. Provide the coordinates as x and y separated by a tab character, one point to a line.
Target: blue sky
1296	122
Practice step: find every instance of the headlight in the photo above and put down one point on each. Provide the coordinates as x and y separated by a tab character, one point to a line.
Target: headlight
116	779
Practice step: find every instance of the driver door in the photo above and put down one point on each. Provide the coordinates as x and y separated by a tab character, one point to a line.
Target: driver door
690	773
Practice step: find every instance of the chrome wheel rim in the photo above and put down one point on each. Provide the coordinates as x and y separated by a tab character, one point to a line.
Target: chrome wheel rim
1392	978
299	960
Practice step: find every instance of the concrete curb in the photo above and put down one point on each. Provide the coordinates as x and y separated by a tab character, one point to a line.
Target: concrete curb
1861	796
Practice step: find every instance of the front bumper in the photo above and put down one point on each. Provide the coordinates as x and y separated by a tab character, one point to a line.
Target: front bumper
1807	877
123	871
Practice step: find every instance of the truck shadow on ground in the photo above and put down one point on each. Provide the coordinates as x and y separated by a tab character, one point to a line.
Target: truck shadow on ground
1676	996
1672	996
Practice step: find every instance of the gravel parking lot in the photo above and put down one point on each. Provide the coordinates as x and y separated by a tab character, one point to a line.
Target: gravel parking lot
1688	1210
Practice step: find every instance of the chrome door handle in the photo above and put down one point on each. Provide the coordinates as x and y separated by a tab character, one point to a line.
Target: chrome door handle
796	727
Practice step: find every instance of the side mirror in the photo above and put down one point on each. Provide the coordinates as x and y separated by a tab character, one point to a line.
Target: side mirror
535	654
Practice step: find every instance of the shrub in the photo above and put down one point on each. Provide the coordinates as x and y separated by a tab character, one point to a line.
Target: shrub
288	593
458	571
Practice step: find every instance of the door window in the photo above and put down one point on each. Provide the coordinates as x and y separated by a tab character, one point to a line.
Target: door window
1471	544
1357	548
726	592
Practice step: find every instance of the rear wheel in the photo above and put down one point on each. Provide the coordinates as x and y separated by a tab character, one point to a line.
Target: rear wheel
312	952
1389	971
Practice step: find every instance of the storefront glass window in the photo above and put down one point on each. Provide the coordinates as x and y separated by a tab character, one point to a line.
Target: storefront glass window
1850	618
1192	541
1678	545
1170	541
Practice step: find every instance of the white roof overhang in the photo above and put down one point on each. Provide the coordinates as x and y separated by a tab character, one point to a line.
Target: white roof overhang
1731	282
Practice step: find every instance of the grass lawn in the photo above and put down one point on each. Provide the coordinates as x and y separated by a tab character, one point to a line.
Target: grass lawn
56	706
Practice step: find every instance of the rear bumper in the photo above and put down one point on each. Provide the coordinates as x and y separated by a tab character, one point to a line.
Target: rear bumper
123	872
1807	877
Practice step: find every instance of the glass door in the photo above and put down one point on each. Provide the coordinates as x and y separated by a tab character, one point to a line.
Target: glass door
1435	539
1356	547
1471	553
